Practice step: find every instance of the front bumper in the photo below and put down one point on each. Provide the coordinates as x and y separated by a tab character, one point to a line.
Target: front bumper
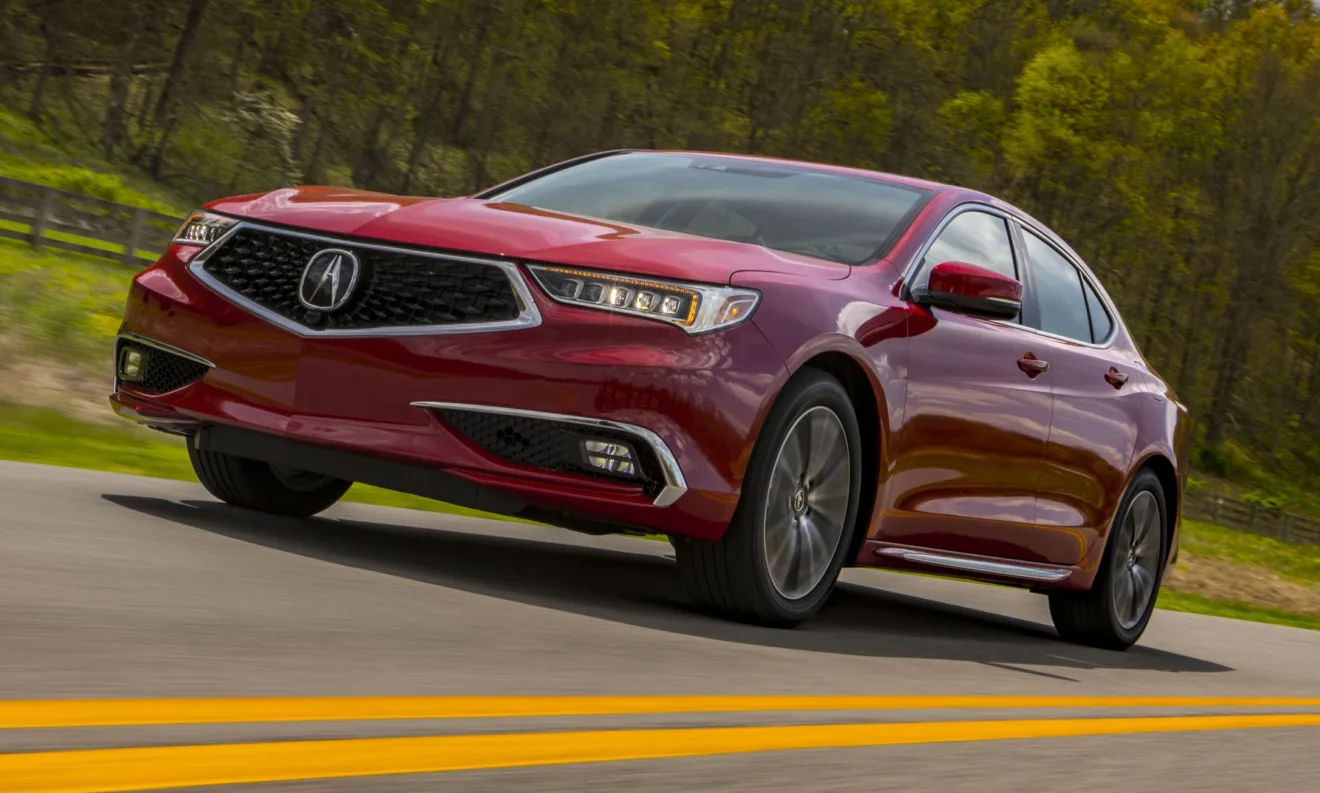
694	401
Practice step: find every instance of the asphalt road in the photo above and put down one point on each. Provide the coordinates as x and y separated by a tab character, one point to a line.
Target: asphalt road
121	587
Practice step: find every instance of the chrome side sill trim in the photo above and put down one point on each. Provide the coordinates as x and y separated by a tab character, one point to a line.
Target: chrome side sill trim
675	484
529	316
1006	569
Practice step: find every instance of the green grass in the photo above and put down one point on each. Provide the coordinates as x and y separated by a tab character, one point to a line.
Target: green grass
1197	604
63	303
1293	561
40	435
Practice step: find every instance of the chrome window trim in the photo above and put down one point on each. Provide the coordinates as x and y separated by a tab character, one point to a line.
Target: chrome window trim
1114	318
914	269
985	566
159	345
529	316
675	484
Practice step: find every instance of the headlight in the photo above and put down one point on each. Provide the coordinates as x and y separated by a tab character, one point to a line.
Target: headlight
696	308
202	228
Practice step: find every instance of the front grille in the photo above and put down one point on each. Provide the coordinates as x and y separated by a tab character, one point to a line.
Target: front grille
164	372
547	444
394	289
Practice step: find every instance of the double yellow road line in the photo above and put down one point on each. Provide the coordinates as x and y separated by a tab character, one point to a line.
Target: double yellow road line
158	767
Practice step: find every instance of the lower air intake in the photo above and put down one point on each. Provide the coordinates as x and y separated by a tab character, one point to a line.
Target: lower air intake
163	371
552	445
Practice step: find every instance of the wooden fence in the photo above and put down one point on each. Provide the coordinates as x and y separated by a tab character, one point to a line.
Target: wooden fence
1250	517
70	221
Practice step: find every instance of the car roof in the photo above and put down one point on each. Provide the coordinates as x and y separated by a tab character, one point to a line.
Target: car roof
892	178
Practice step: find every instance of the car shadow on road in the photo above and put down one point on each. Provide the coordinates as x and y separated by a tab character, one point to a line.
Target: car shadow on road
642	589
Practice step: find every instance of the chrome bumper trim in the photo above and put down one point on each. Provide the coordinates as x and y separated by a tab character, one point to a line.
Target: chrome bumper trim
1006	569
529	316
675	485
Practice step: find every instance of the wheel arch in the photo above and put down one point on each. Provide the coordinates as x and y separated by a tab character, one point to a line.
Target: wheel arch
1164	470
853	376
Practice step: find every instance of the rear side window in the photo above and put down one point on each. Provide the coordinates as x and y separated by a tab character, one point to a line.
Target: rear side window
1101	322
1059	295
975	238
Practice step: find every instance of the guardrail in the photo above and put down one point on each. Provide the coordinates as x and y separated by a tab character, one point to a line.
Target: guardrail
1252	518
59	218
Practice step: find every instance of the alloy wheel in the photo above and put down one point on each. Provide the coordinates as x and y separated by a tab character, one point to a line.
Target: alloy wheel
807	502
1136	560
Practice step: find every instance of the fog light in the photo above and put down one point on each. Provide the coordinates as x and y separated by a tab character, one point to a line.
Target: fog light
611	456
132	363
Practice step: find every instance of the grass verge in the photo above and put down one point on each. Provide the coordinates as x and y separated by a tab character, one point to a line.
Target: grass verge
1172	600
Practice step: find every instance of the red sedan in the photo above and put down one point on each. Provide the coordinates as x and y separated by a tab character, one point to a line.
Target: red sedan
786	367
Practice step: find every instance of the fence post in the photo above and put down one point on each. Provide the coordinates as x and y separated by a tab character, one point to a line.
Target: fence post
1283	529
44	206
1251	518
134	236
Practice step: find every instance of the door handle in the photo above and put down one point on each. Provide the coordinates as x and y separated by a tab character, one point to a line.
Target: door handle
1115	377
1032	365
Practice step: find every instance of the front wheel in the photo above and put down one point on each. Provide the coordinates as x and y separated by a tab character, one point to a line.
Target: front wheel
780	557
263	486
1115	612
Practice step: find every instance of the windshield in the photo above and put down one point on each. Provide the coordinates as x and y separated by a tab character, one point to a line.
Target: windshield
836	217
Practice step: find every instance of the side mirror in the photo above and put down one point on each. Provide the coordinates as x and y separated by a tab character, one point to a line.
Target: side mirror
971	289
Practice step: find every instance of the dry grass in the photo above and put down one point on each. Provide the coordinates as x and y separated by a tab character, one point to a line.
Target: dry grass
1238	582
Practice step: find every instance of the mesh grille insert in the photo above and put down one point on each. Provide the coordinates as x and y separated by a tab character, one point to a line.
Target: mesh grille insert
165	371
547	444
394	289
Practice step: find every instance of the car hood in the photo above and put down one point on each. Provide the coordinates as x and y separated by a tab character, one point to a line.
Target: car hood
518	232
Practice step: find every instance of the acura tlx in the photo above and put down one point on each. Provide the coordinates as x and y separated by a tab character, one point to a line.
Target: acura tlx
785	367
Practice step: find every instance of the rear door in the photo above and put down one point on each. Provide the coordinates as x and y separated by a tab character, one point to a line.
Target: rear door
1093	429
967	458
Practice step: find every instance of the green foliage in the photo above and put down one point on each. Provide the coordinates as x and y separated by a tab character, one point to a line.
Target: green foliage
63	304
1268	500
1230	460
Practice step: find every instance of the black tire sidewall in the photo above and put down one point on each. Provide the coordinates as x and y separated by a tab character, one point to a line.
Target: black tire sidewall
813	389
1144	481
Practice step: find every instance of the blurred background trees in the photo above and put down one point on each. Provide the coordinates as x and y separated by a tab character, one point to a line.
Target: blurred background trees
1175	143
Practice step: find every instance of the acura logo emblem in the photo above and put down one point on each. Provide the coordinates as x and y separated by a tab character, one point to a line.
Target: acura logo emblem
328	279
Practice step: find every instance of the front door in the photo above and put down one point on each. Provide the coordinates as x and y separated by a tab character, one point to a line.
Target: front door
968	455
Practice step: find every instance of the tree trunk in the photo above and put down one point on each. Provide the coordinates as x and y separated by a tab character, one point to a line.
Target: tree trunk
469	86
174	76
39	90
121	80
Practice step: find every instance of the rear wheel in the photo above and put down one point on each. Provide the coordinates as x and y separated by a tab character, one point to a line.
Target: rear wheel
1115	612
265	487
780	557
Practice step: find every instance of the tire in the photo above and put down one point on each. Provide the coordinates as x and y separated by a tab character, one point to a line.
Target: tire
264	487
781	509
1103	617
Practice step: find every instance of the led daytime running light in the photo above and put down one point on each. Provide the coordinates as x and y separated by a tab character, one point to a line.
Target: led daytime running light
202	228
696	308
